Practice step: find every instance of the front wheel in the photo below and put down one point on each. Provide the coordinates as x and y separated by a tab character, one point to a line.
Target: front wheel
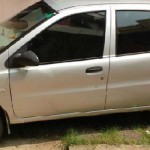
1	127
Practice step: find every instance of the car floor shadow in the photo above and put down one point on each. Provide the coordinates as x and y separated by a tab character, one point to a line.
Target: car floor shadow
40	132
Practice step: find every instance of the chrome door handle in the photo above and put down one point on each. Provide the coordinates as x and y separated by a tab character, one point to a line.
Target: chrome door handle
94	69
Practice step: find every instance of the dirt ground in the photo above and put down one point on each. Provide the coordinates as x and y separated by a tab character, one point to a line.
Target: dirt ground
111	147
57	145
48	135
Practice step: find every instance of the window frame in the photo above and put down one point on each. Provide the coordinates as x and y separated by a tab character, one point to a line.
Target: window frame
123	7
77	59
62	14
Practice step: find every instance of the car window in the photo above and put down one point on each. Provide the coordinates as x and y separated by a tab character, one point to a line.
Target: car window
15	27
76	37
133	32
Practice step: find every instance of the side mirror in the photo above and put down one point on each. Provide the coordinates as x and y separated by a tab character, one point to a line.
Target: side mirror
28	58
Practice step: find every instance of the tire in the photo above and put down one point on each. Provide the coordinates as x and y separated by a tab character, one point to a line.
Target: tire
1	127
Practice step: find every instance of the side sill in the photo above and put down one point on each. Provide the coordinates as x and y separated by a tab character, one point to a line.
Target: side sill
78	114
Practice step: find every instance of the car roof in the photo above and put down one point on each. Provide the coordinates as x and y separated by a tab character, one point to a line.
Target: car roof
63	4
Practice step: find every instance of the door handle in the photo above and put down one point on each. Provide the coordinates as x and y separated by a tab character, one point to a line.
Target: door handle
94	69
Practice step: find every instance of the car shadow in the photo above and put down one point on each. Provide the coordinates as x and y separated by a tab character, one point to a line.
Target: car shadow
40	132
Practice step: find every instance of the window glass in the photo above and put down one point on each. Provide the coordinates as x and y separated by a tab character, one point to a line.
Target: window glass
133	32
13	28
76	37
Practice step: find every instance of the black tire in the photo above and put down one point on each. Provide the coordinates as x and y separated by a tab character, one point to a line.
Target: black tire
1	127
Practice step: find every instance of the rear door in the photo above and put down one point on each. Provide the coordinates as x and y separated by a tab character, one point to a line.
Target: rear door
129	81
74	65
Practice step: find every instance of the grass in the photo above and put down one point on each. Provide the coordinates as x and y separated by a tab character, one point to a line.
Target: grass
109	135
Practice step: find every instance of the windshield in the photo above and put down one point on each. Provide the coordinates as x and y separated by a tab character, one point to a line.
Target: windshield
17	26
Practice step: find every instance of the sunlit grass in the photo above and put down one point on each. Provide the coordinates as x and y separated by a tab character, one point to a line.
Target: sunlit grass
110	136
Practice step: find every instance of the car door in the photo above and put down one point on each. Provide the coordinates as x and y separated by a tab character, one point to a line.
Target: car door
129	81
73	49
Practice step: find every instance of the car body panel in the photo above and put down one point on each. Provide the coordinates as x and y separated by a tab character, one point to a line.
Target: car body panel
64	87
64	4
129	78
127	91
5	95
58	89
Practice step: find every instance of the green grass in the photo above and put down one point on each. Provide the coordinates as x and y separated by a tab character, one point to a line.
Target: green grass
111	136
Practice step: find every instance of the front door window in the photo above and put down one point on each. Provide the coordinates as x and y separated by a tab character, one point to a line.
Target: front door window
77	37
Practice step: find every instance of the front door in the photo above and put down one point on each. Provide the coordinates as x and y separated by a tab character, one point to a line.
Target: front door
73	71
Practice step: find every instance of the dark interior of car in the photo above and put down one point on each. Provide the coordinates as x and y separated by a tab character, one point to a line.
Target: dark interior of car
57	46
133	42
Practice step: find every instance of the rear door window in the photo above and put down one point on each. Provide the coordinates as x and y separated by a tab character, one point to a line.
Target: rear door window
133	32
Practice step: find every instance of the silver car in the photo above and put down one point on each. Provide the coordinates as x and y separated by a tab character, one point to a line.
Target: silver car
61	59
